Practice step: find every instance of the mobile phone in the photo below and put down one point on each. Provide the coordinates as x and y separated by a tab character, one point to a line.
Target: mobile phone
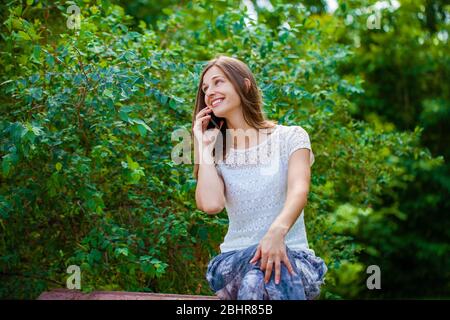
214	121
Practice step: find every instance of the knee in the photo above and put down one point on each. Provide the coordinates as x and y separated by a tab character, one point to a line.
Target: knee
252	286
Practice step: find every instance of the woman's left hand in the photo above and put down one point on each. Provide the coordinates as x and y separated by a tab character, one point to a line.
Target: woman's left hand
272	250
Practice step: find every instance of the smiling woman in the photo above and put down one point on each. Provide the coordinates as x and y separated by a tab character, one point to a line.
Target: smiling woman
264	199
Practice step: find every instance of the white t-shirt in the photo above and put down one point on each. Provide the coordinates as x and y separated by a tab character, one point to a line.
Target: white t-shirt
255	181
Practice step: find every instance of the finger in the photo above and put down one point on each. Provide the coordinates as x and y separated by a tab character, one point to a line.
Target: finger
257	255
201	121
289	266
202	112
205	117
264	258
198	121
277	271
268	271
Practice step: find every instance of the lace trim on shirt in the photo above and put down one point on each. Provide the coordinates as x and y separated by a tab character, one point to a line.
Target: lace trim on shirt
261	155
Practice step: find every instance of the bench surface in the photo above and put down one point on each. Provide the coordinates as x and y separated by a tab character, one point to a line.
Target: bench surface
66	294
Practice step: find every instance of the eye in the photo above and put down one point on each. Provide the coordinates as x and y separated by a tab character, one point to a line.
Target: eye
215	82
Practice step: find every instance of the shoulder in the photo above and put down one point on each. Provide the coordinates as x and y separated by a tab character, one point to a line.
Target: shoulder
296	137
296	129
294	132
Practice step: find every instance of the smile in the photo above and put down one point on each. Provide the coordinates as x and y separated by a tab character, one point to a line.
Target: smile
216	102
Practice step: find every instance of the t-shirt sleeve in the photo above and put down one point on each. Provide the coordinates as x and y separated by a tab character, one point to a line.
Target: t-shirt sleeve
298	138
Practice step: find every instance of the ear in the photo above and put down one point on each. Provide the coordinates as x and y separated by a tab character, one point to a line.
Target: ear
248	84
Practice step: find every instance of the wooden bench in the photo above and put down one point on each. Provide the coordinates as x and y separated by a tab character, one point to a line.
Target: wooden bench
66	294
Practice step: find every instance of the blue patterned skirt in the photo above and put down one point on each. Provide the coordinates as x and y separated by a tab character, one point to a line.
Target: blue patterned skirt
232	277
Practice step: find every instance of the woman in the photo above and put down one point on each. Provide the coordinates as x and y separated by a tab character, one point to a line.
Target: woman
264	187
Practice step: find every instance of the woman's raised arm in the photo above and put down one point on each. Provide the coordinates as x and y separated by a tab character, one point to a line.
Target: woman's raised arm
209	193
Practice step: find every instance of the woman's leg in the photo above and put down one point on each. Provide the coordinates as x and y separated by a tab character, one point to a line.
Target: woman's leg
252	286
227	270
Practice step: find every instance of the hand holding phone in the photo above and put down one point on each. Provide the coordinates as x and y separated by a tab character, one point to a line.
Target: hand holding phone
203	123
215	121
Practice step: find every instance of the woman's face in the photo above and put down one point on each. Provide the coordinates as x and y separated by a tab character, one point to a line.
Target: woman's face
220	94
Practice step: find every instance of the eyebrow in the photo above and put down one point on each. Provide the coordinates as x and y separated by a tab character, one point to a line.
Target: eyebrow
215	76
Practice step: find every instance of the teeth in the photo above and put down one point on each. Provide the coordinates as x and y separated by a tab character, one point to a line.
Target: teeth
216	102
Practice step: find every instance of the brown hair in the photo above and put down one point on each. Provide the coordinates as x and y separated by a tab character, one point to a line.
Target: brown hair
251	101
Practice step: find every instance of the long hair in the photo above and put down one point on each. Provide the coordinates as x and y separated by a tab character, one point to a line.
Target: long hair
251	100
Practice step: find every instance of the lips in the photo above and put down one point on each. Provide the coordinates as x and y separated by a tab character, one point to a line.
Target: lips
216	102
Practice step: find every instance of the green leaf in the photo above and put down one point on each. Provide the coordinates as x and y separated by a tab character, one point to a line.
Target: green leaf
167	11
50	60
108	93
23	35
6	165
142	130
121	251
142	123
132	164
36	53
123	116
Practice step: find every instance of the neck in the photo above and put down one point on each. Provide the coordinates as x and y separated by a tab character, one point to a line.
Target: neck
238	124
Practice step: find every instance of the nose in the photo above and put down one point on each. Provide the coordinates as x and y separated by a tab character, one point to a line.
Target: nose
209	95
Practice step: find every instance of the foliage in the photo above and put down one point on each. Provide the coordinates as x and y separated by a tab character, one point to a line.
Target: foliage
404	66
